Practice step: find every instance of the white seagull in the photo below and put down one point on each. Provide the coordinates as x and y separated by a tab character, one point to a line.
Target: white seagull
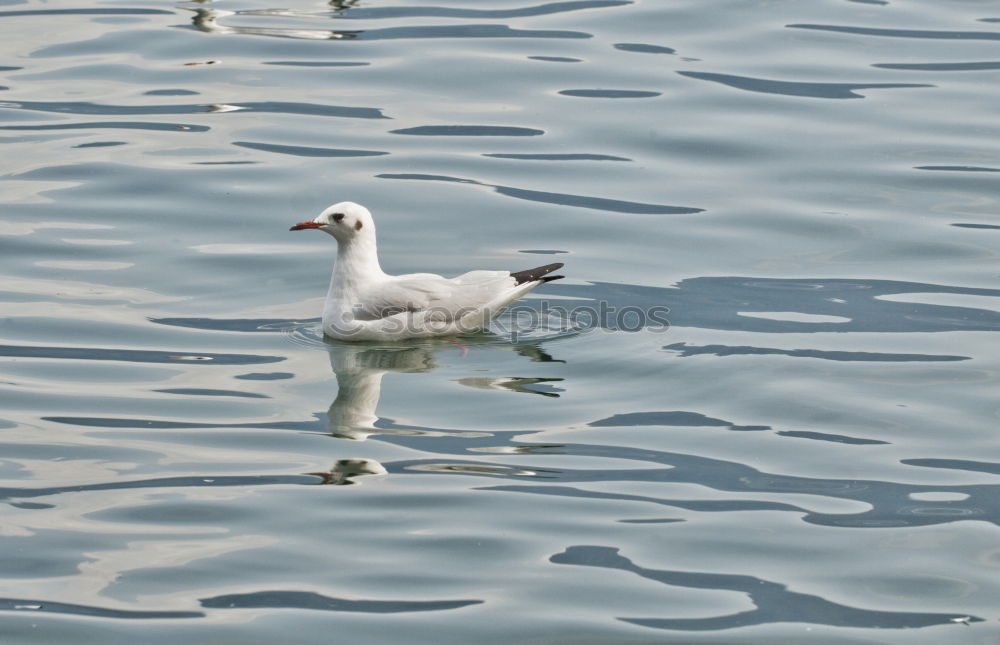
364	303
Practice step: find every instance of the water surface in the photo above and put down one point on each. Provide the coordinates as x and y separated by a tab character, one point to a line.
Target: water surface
804	452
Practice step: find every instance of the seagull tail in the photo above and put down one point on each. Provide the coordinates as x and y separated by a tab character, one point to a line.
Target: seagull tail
538	274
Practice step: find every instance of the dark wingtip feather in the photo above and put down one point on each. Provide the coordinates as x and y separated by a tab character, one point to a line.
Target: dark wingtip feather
530	275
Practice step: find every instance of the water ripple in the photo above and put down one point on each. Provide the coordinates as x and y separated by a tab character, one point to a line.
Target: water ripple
642	48
113	125
306	151
796	88
958	168
773	602
610	94
375	13
683	350
554	157
279	107
49	607
300	63
132	355
207	20
469	131
888	503
310	600
941	67
902	33
102	11
579	201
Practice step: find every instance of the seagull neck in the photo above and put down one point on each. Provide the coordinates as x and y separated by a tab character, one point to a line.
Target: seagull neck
357	262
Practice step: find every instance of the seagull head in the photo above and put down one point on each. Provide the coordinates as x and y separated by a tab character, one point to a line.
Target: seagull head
344	220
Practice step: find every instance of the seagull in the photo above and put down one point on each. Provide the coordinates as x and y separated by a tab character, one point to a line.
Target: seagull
364	303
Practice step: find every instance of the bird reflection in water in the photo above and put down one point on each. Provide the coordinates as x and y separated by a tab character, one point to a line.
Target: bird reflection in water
359	369
345	470
207	20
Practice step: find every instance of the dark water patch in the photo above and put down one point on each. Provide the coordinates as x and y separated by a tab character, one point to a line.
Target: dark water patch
8	68
990	467
773	602
699	505
595	203
903	33
306	63
207	481
979	226
556	59
132	355
195	391
669	418
876	2
265	376
579	201
223	163
469	131
105	11
375	13
685	350
652	521
113	125
610	94
554	157
305	151
4	87
641	48
941	67
796	88
455	467
277	107
101	144
32	506
542	251
311	600
170	92
269	325
49	607
958	168
834	438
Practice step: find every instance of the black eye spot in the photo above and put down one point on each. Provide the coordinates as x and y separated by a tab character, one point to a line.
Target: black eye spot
357	226
338	216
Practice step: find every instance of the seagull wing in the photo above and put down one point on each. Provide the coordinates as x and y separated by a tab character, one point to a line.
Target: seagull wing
399	294
441	298
446	299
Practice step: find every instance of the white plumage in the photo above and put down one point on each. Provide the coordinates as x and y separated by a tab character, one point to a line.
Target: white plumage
365	303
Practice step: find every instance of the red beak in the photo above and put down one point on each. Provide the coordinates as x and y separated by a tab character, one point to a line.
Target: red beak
306	224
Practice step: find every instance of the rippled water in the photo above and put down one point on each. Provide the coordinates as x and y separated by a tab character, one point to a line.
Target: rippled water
806	453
